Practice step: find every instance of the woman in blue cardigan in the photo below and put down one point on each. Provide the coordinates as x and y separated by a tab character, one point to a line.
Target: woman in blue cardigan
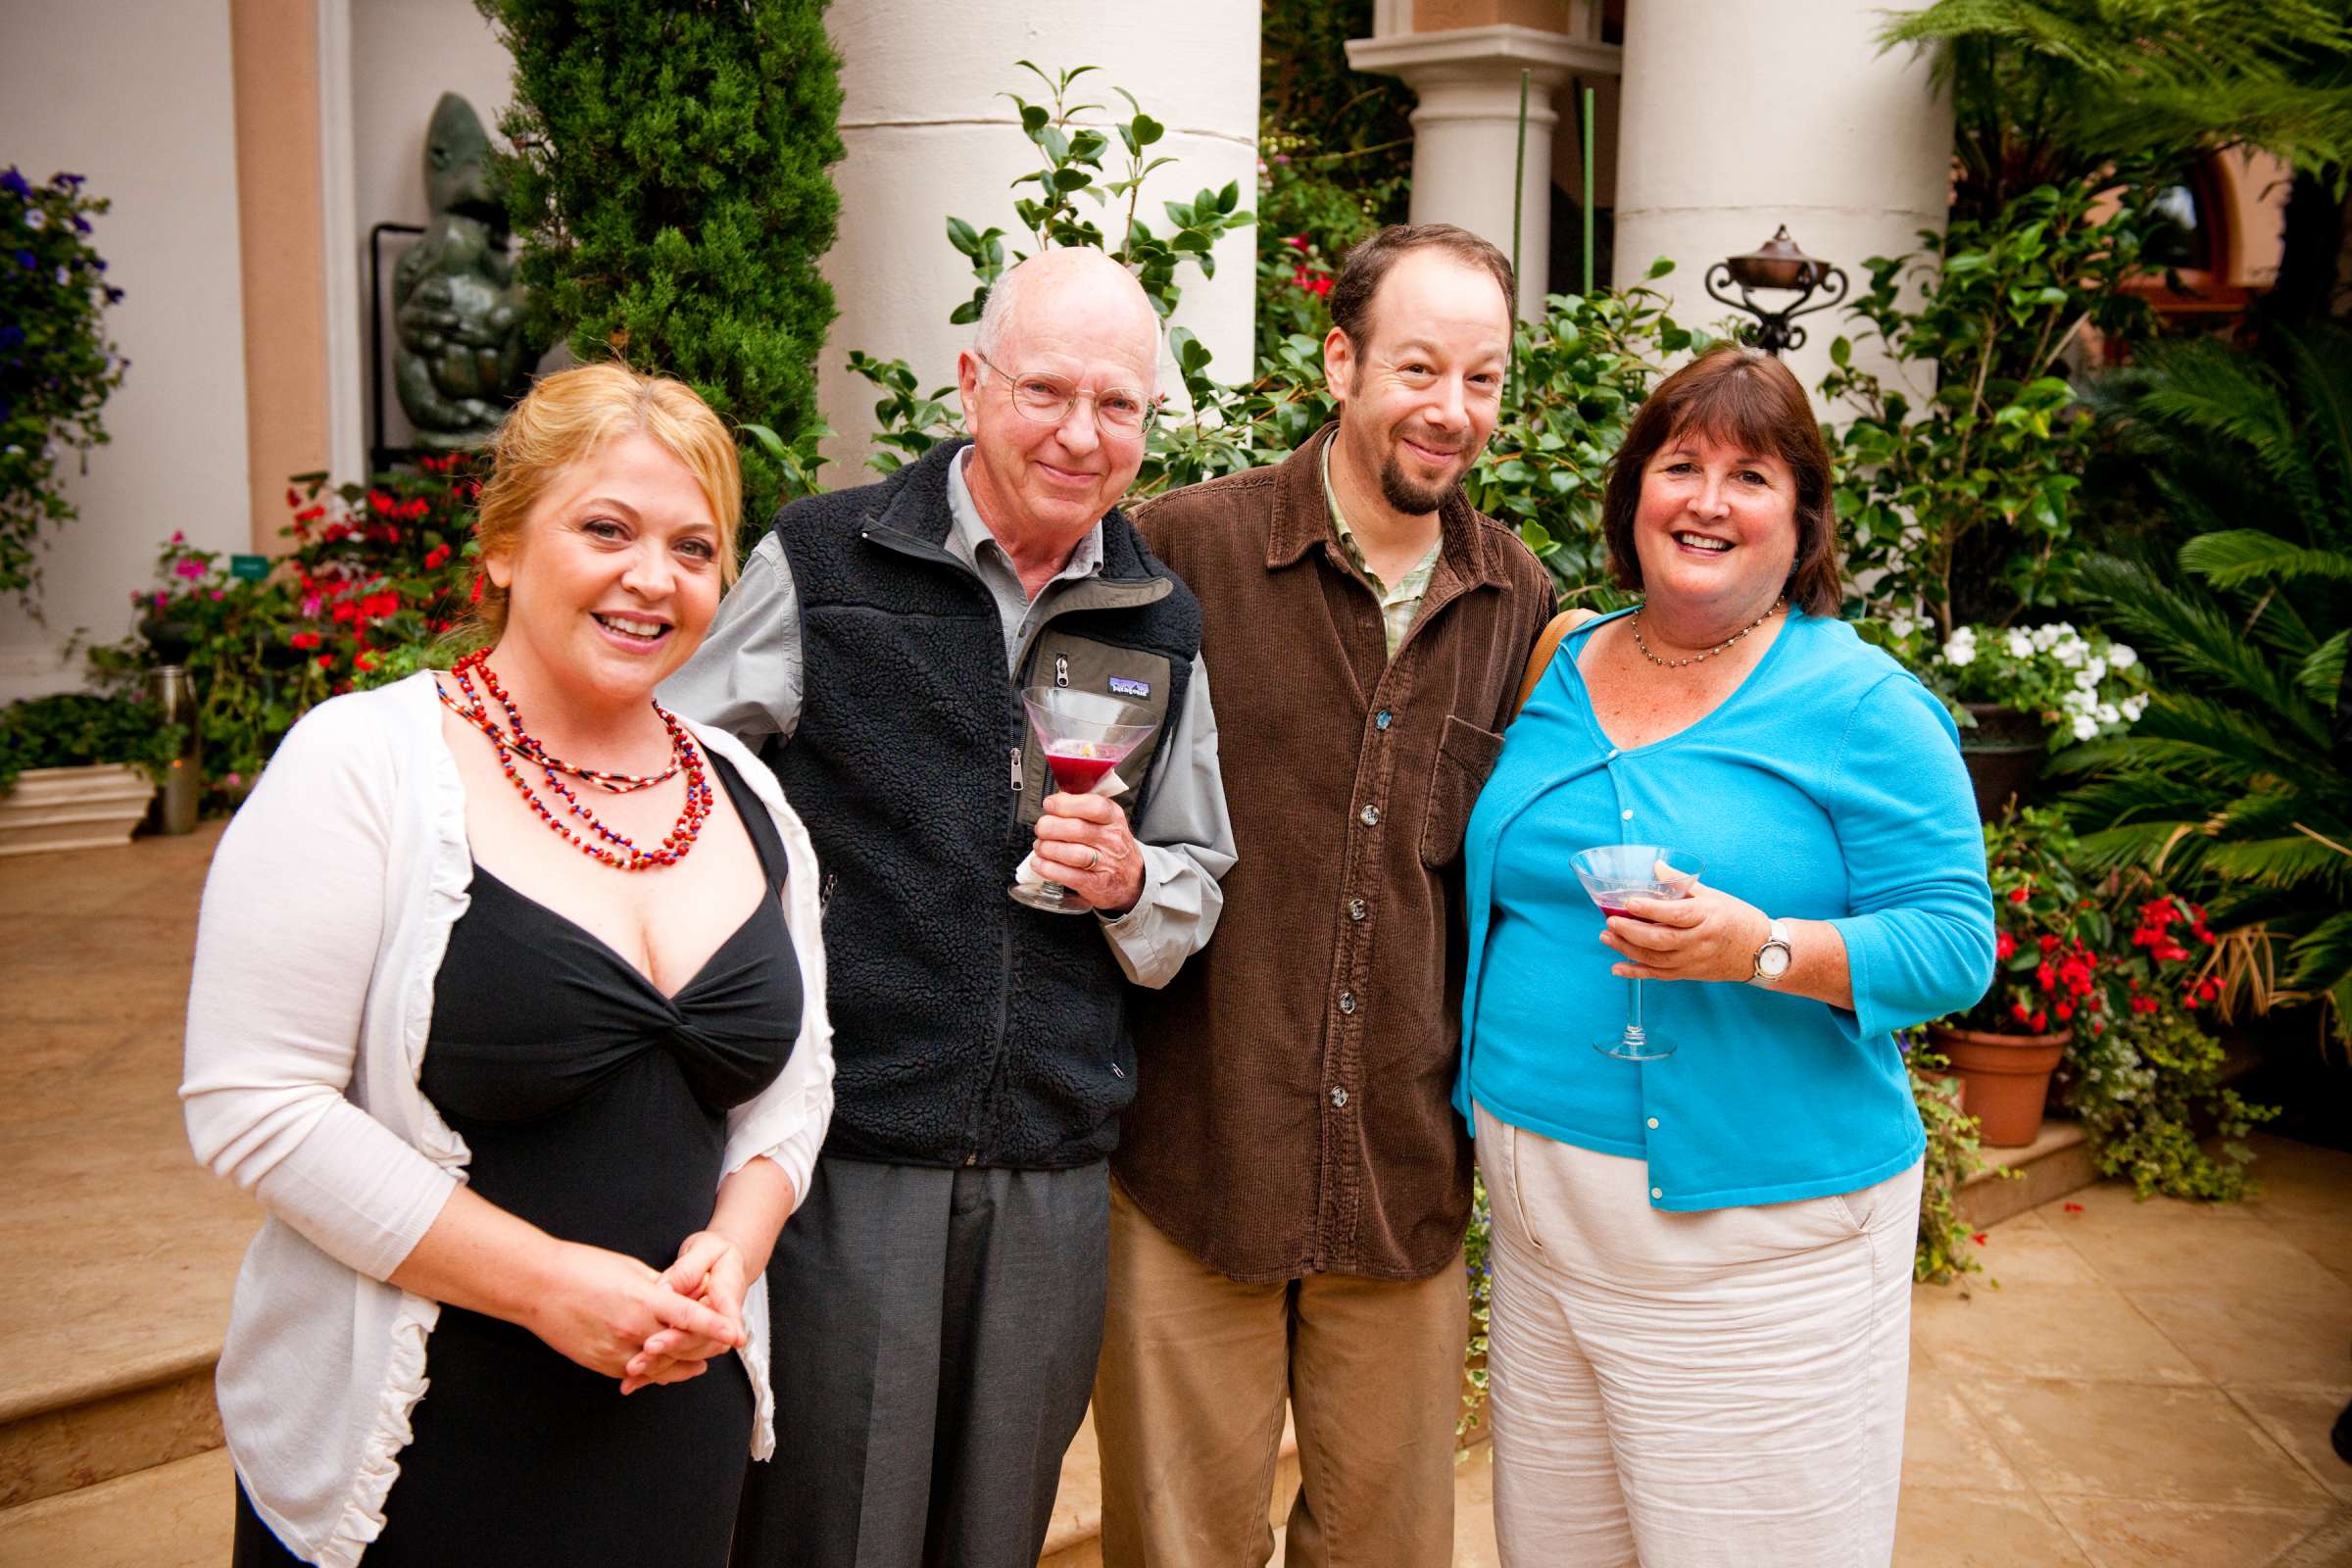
1703	1260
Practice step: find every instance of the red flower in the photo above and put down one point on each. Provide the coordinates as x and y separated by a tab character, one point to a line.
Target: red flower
2042	1021
364	661
2066	1010
436	558
2017	1009
326	661
2144	1004
292	499
346	610
2019	894
1978	1238
2049	942
306	640
1297	242
2003	943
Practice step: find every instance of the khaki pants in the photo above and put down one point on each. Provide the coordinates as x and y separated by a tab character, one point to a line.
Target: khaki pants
1717	1390
1187	1411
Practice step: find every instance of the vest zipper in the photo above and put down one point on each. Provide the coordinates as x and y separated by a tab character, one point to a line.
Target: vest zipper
1061	669
1016	770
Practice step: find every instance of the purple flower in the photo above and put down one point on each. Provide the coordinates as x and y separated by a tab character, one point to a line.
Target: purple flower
15	182
27	260
82	225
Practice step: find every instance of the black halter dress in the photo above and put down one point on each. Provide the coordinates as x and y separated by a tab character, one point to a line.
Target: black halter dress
595	1106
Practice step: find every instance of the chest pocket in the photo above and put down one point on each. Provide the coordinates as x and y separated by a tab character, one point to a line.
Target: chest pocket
1465	756
1057	659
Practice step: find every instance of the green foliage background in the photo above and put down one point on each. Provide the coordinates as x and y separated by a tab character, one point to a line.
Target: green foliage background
669	177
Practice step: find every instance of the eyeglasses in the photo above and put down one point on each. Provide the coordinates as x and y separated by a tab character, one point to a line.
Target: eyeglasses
1048	400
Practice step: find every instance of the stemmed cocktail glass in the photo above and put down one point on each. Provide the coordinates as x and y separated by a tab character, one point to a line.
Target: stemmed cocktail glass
1086	736
1613	874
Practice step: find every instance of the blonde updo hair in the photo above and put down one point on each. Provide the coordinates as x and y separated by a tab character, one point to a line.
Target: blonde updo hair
567	418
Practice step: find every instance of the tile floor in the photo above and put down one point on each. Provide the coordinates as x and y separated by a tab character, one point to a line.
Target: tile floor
2149	1384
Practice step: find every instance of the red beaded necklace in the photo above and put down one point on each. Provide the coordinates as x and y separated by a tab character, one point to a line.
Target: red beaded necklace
617	850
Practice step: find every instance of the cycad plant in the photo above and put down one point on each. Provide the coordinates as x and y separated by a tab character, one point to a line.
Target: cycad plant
2241	770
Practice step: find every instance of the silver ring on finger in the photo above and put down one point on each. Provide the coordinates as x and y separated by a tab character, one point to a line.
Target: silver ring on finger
1094	857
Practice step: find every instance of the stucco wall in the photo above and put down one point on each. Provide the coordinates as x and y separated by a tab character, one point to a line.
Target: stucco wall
138	95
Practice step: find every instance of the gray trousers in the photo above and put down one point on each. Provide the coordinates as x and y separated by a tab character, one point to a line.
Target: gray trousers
935	1335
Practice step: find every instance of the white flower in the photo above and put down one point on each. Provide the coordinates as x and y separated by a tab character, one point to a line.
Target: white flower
1961	649
2043	636
2109	713
2019	645
2133	705
64	274
2085	727
2096	670
1900	626
2121	657
2079	701
35	218
2069	651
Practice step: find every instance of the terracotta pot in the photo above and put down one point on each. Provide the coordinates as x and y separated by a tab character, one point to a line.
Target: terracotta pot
2003	751
2004	1079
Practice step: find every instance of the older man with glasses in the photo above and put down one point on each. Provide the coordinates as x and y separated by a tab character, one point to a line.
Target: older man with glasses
937	1299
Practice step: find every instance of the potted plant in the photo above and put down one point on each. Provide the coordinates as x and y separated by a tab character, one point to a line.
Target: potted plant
2049	948
2019	693
78	771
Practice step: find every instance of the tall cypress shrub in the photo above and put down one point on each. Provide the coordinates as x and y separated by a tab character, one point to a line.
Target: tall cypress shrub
670	180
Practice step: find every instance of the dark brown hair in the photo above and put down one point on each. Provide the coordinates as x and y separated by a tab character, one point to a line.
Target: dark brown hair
1745	399
1350	298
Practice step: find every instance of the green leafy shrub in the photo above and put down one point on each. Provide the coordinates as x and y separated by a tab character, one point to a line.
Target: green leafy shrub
669	181
57	365
1954	1155
79	728
1961	508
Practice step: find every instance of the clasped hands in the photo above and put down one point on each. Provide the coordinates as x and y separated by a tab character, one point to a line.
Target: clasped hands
1703	935
1082	843
615	1315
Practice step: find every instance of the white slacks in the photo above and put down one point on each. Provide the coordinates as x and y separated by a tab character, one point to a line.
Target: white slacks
1720	1389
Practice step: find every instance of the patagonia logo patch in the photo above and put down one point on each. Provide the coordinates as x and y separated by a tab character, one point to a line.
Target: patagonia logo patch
1122	686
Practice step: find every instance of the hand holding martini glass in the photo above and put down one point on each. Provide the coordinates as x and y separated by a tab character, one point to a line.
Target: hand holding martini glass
1086	736
1612	874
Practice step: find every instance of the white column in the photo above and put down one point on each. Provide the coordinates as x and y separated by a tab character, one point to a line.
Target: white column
1738	117
1467	130
927	134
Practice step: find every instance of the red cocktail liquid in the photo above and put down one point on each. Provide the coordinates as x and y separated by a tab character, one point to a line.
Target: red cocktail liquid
1614	903
1076	771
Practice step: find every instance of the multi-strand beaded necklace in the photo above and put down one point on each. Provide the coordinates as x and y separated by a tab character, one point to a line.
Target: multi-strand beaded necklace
512	742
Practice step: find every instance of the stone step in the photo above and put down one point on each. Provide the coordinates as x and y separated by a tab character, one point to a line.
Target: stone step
175	1516
101	1431
2054	1164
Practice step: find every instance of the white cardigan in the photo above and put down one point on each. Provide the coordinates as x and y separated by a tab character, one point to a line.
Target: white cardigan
325	917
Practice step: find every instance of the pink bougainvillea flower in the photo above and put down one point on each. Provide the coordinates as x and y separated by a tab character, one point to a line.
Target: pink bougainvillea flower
189	567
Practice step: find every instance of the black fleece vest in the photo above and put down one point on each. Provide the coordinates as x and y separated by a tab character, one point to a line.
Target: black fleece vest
968	1029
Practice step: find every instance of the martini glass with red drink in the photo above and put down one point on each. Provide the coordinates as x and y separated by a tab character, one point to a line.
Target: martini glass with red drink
1085	735
1612	874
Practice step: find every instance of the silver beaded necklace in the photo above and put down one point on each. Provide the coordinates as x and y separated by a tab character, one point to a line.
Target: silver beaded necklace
1677	663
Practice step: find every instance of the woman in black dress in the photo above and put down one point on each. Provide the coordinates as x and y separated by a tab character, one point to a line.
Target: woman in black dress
617	1078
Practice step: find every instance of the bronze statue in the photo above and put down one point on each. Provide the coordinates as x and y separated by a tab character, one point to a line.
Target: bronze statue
463	359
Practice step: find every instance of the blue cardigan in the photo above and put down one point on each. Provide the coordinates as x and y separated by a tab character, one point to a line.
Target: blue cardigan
1828	787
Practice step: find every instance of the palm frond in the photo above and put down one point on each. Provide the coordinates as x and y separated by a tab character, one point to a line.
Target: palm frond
2320	675
2322	364
2240	555
2321	959
2195	635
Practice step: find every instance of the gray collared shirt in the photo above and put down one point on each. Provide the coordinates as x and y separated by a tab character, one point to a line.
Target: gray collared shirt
747	679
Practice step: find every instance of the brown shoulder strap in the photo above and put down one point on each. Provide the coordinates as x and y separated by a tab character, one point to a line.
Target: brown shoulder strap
1566	622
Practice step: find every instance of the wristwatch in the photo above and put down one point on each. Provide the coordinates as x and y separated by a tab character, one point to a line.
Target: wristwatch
1774	957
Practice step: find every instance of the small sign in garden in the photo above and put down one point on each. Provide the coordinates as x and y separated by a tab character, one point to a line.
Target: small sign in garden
249	569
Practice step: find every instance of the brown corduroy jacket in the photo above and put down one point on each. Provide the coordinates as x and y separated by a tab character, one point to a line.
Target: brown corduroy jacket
1293	1113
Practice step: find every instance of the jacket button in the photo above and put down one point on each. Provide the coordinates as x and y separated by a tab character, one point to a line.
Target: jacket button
1656	1193
1380	720
1355	909
1347	1001
1369	816
1338	1097
1653	1122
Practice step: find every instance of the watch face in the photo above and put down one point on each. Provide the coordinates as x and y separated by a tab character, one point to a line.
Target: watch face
1773	961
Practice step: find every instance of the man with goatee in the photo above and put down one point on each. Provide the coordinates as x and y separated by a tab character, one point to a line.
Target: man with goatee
1292	1183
